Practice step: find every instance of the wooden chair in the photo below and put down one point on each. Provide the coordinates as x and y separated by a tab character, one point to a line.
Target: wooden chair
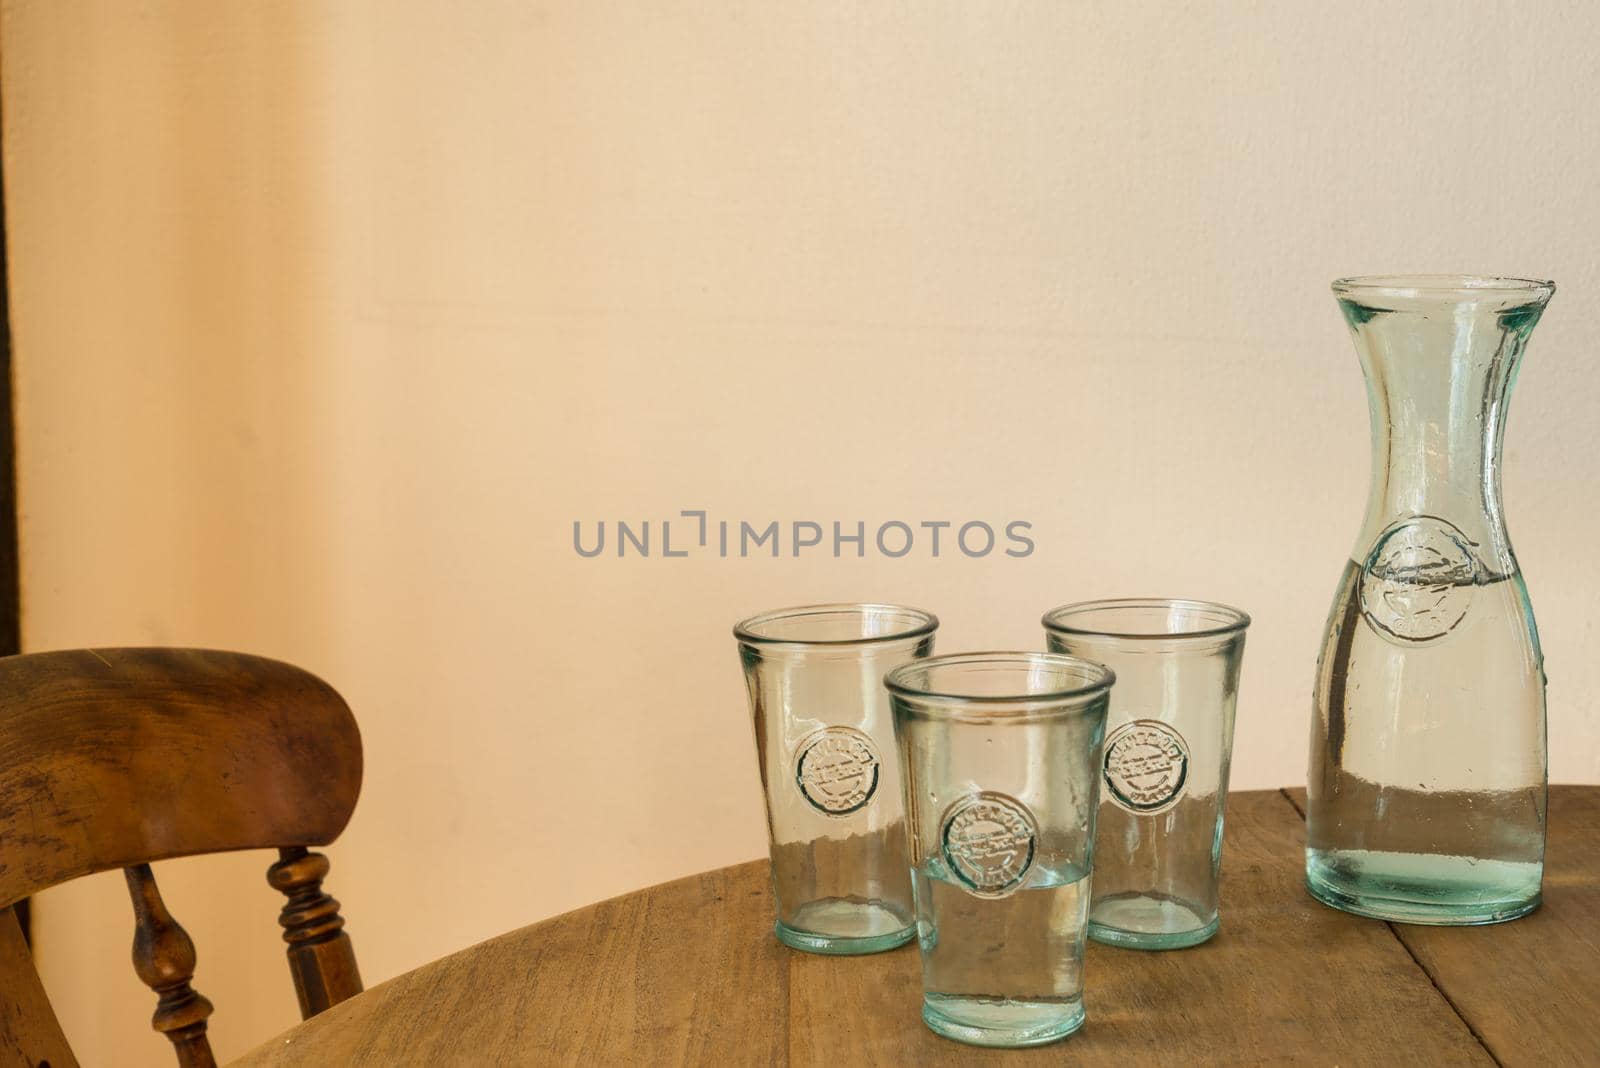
114	758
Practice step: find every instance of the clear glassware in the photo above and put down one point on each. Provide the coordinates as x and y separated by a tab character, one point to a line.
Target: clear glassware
1427	773
1000	756
825	740
1169	740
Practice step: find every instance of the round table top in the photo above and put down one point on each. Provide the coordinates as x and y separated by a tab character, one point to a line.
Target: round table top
689	973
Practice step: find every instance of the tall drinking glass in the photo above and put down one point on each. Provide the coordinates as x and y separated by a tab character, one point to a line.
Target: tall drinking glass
825	740
1000	754
1169	739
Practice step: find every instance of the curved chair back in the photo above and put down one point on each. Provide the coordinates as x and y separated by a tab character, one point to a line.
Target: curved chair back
114	758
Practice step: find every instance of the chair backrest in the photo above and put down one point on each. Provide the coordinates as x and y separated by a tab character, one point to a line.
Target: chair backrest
113	758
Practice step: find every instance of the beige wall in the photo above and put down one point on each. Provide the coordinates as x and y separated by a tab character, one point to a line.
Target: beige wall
330	320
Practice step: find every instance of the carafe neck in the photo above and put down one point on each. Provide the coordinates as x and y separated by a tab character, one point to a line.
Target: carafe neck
1440	367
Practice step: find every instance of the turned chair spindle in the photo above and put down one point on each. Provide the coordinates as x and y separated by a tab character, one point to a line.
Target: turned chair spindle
320	953
164	957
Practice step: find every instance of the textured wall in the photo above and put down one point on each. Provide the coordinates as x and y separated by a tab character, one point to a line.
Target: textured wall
331	319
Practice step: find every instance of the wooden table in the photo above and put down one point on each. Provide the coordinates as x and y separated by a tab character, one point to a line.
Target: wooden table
688	973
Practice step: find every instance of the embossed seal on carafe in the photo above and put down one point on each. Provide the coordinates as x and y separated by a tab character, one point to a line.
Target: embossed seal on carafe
1418	581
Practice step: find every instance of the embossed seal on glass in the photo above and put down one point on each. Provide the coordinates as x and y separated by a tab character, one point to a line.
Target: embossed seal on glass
837	770
988	840
1146	766
1418	582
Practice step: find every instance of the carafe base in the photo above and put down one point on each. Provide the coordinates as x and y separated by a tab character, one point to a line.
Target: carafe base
1423	888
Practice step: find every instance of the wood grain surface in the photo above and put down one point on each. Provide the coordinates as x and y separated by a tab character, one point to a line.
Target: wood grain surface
688	973
1531	989
116	757
29	1033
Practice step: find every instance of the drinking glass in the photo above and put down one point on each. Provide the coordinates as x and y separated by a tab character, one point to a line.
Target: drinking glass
825	740
1169	738
1000	757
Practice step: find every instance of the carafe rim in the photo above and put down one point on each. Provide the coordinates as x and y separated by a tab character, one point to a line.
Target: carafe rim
1444	287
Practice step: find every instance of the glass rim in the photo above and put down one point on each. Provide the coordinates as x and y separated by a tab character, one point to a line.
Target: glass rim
1055	620
895	681
1423	286
923	623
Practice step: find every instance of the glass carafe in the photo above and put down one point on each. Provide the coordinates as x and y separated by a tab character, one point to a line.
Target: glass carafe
1427	775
